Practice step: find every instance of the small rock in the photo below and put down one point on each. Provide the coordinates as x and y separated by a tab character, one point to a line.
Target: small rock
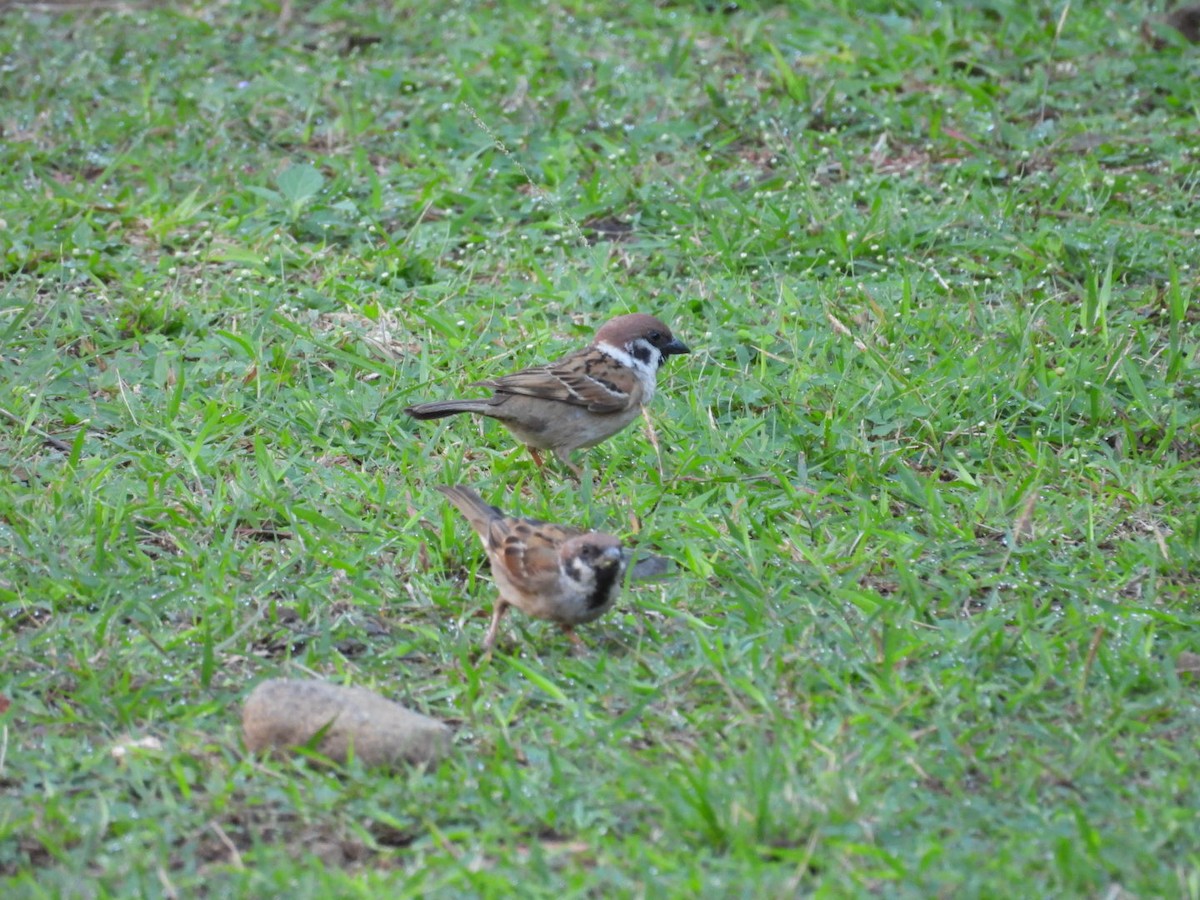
283	712
1184	19
127	744
650	568
1187	666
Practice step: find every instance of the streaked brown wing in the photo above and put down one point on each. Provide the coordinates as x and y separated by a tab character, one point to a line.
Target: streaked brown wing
528	550
585	378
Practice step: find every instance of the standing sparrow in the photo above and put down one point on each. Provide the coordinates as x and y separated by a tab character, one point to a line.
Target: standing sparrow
547	571
579	400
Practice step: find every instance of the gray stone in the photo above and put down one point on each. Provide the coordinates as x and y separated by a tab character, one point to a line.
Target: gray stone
283	712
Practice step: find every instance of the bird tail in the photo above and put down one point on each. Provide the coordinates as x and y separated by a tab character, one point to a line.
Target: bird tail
479	513
443	408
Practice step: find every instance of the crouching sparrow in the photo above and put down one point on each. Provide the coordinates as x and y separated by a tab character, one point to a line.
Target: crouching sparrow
579	400
555	572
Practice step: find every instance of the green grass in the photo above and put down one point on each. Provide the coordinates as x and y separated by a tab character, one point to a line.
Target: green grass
929	475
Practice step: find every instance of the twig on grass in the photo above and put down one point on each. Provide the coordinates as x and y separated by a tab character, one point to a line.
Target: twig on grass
47	438
235	858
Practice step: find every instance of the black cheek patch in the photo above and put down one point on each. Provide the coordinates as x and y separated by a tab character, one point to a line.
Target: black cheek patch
643	353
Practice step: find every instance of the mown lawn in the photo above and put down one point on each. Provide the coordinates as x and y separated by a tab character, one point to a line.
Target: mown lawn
929	477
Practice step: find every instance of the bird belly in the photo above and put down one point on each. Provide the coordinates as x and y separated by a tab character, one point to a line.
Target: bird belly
567	603
567	428
570	607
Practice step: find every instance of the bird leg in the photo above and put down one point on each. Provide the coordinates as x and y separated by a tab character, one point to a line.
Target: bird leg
575	639
537	457
497	615
565	459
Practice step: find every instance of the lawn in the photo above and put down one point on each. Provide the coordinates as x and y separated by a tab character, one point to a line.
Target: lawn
928	478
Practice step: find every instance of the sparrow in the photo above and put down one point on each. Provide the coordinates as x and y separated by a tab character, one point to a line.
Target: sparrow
554	572
582	398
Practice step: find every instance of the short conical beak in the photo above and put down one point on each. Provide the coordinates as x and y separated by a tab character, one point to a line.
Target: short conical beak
674	348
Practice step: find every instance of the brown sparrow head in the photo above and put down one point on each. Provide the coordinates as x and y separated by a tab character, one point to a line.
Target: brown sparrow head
547	571
579	400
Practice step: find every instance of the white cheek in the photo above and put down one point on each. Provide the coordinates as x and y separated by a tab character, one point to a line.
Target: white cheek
581	572
645	372
617	353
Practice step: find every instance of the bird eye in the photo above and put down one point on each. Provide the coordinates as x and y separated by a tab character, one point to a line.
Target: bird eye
655	337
